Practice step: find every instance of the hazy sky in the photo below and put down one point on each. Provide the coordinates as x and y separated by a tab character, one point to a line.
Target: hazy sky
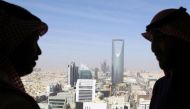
82	30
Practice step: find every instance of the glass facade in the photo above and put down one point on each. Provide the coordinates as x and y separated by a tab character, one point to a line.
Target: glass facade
117	60
85	74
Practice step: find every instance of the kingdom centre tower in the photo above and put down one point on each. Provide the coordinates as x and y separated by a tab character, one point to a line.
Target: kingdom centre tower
117	60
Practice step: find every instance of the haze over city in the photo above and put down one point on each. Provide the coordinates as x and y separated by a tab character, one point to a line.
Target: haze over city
82	31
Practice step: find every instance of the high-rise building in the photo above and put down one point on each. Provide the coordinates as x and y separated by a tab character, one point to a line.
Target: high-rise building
72	74
117	60
85	90
96	73
85	74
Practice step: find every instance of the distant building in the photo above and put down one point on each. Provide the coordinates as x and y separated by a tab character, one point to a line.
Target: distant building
143	104
54	88
85	90
61	100
96	73
56	102
85	74
68	95
117	60
120	106
118	102
91	105
72	74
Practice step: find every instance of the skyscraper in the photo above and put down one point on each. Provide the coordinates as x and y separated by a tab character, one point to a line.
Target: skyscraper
72	74
85	74
117	60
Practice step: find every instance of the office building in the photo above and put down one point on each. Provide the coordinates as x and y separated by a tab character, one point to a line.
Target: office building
85	90
72	74
117	60
97	105
56	102
143	104
85	74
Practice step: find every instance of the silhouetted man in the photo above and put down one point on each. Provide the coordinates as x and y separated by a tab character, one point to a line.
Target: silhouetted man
19	33
169	33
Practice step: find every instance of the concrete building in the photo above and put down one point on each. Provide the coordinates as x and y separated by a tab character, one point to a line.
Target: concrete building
130	80
117	60
54	88
120	106
143	104
85	90
56	102
68	95
92	105
118	102
72	74
61	100
96	74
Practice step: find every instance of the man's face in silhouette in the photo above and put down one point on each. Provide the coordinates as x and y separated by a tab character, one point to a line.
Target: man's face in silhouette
167	50
25	55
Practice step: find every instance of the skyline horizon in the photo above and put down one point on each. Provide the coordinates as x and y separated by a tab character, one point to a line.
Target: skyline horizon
82	31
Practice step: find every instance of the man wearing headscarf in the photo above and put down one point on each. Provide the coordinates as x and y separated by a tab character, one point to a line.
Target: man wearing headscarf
169	34
19	51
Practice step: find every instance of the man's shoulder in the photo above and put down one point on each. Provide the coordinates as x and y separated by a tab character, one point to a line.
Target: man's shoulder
17	102
12	95
15	99
162	80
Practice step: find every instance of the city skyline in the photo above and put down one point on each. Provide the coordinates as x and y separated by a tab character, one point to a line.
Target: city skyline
82	31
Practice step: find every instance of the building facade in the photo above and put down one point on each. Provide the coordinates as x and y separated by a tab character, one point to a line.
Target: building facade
56	102
143	104
72	74
92	105
117	60
85	90
85	74
120	106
